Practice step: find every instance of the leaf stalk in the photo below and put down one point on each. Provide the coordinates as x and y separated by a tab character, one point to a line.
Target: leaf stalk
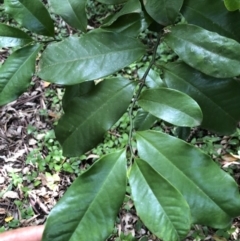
142	82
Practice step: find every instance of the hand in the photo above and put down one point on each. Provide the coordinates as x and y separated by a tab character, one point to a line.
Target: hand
33	233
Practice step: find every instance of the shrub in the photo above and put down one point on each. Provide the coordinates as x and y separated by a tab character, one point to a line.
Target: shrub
173	184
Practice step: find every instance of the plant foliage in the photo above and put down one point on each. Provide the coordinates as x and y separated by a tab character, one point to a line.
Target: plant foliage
173	184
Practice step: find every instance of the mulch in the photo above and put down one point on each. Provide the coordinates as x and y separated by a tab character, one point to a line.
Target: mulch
15	145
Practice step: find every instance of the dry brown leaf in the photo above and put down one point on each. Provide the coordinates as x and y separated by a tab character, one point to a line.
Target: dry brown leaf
43	206
92	156
54	115
32	142
228	158
10	169
236	233
236	156
40	136
45	84
43	179
128	219
51	180
216	238
16	156
2	211
2	180
11	194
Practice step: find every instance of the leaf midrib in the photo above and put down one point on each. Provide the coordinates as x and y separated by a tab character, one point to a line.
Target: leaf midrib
39	20
209	20
76	17
19	69
188	43
205	96
90	57
159	202
183	174
102	189
97	111
168	106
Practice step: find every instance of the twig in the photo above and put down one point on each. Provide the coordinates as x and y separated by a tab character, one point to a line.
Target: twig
135	99
23	101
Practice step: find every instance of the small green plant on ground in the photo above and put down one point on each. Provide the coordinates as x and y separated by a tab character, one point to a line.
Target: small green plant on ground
172	183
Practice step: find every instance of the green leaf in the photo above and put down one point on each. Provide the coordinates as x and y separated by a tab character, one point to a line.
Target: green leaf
213	17
163	12
130	25
95	197
93	56
232	5
11	37
132	6
183	133
112	1
130	20
16	73
88	117
32	15
153	79
143	120
75	91
219	99
216	56
159	205
207	188
72	11
172	106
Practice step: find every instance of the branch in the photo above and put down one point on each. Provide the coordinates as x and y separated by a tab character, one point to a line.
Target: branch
135	99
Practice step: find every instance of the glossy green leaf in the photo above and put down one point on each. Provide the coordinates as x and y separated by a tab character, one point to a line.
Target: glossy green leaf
73	91
183	133
219	99
156	27
130	25
143	120
16	73
112	1
172	106
130	20
163	12
32	15
216	56
132	6
214	17
153	79
88	209
207	188
88	117
159	205
11	37
232	5
93	56
72	11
